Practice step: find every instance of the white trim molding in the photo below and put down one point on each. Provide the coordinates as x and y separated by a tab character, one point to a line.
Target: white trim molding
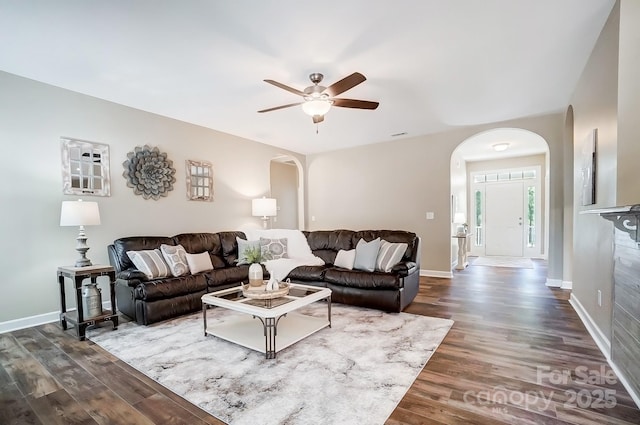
554	283
598	336
37	320
436	273
559	283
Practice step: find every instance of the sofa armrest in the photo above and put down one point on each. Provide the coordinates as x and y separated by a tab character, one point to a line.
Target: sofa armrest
404	268
133	276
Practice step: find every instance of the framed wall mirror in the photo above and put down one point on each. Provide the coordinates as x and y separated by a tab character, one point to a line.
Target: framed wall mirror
85	168
199	180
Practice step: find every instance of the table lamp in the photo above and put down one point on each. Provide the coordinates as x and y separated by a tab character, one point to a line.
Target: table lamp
80	213
460	220
265	208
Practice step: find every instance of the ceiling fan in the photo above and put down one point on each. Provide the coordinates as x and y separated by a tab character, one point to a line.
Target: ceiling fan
319	99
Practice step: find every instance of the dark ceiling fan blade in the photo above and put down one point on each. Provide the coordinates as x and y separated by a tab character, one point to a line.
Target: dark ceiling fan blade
318	118
345	84
287	88
353	103
281	107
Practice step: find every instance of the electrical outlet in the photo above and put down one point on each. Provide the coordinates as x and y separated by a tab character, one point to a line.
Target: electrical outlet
599	298
313	218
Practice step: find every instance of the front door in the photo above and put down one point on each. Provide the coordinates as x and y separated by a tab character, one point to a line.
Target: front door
504	218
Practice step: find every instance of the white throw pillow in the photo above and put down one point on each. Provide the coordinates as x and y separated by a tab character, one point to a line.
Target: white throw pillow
176	258
199	262
149	262
389	255
345	259
366	255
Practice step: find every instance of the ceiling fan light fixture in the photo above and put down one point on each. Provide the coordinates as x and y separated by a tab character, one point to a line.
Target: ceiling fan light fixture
315	107
499	147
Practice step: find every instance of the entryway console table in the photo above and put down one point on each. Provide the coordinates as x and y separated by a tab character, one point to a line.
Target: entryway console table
77	318
463	249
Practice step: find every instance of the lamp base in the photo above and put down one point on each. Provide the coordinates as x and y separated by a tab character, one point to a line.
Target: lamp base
83	262
82	248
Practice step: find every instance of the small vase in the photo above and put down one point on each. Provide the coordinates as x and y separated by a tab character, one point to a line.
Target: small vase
255	274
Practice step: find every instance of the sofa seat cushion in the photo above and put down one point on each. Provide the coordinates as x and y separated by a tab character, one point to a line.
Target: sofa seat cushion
170	287
362	279
229	275
310	273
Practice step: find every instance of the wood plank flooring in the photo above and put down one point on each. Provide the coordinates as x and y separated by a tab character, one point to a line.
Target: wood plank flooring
517	354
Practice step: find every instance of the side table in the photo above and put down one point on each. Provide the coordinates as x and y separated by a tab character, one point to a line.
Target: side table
76	318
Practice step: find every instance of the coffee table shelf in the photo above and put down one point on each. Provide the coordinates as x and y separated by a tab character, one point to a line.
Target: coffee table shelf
282	325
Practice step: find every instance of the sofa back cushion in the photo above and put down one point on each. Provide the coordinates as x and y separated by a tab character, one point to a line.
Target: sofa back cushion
326	243
230	246
411	239
196	243
135	243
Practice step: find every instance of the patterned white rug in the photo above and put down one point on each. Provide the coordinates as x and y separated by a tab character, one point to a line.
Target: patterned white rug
355	372
516	262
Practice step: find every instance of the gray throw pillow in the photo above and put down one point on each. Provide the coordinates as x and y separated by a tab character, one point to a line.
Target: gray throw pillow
273	249
243	245
390	254
366	255
176	258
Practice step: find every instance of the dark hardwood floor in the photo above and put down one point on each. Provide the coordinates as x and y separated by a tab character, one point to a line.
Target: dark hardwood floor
517	354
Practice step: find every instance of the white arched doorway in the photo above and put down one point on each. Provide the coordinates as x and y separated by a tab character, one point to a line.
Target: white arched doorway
287	186
502	193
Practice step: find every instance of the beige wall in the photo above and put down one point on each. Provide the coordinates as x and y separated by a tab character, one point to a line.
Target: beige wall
628	189
393	185
33	117
595	106
607	98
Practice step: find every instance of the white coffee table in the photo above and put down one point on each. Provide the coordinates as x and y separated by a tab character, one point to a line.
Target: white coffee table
281	326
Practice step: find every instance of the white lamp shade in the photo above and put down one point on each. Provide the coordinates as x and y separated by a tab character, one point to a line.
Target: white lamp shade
459	218
79	213
316	107
263	207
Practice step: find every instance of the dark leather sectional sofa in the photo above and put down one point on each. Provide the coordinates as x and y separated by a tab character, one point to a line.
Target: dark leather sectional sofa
148	301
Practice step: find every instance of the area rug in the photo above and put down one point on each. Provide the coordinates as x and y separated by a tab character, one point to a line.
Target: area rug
517	262
355	372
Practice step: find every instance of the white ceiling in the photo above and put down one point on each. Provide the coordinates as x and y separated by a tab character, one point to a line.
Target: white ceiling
432	64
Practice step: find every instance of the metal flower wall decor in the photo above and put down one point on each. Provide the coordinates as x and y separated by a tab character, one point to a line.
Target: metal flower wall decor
149	172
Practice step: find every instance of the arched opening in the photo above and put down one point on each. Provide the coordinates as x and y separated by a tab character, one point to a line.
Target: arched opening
500	190
287	187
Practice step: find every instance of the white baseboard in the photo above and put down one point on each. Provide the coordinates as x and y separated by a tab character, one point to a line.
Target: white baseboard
39	319
603	344
559	283
436	273
598	336
554	283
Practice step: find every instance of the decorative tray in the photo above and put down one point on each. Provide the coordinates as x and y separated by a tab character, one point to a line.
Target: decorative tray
261	292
